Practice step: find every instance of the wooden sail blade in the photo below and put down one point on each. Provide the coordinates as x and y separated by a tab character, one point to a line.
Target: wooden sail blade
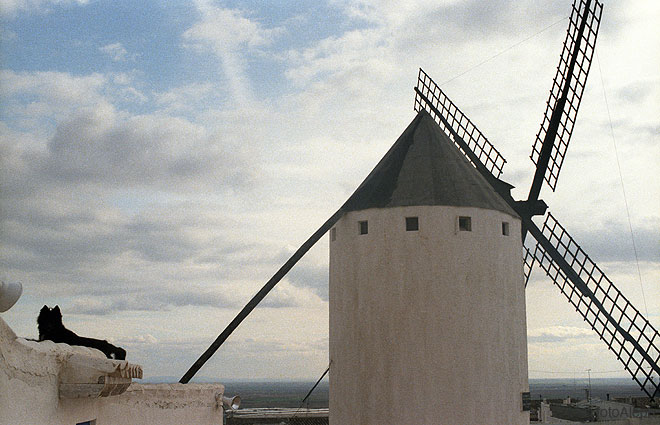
528	261
479	151
625	331
552	140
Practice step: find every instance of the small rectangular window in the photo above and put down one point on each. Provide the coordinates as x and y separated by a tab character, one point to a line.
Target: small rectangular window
363	227
412	224
505	228
333	234
465	224
526	401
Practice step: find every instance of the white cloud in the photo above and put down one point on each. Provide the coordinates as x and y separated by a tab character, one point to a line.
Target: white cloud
553	334
227	29
94	142
115	51
12	7
142	150
78	198
59	92
158	298
231	36
187	98
141	339
287	295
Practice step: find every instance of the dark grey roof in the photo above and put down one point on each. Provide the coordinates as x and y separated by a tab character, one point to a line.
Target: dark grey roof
424	167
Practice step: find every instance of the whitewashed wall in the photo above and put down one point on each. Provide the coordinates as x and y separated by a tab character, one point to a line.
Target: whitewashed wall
427	327
30	374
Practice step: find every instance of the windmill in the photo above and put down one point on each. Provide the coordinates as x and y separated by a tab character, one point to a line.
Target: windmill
624	330
619	324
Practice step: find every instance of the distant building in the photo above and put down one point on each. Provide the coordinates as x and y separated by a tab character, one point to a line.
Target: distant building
268	416
597	411
614	411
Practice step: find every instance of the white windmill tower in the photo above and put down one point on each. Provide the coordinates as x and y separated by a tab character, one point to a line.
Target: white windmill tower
427	300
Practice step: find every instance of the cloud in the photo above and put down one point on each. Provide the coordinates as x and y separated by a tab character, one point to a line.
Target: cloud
387	40
29	96
266	357
115	51
93	142
613	241
227	29
89	191
186	98
12	7
141	339
148	150
84	239
158	299
358	70
59	87
557	334
69	247
636	92
287	295
230	35
252	346
313	276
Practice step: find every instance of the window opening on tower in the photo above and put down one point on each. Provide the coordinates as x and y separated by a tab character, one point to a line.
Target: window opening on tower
412	224
465	224
363	227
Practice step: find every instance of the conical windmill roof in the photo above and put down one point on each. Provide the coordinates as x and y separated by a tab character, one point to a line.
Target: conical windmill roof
424	167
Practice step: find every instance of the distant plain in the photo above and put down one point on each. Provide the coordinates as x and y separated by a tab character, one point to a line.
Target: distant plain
291	393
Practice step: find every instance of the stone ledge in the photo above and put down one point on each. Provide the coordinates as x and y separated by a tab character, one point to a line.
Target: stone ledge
89	377
174	396
71	371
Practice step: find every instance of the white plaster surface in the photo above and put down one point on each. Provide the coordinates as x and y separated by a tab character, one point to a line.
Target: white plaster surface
427	327
31	374
199	404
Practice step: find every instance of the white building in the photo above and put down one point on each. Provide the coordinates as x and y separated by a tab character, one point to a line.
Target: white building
427	301
48	383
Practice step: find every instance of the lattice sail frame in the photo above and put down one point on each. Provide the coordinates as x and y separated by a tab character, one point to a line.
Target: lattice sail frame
617	322
528	261
641	361
430	97
578	74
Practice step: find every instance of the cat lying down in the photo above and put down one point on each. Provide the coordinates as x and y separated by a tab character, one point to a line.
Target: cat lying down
51	328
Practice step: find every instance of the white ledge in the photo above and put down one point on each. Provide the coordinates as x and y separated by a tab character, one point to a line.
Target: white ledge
84	376
77	372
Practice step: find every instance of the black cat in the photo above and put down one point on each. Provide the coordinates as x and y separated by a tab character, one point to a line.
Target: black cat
51	328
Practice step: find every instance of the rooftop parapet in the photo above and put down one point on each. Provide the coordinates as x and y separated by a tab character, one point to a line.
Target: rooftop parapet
78	372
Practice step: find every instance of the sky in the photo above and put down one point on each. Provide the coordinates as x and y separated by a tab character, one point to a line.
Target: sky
159	161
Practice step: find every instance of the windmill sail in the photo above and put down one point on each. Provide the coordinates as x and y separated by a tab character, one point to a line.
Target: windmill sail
474	145
528	261
617	322
552	140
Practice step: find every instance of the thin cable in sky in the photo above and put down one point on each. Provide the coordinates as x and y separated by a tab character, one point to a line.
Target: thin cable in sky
503	51
623	189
